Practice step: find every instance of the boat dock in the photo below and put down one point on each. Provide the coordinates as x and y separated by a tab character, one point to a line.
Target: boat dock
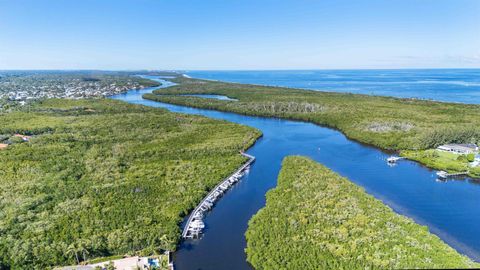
171	266
394	159
444	174
194	226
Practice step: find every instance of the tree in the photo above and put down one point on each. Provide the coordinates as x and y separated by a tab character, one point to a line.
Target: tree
83	248
72	250
111	266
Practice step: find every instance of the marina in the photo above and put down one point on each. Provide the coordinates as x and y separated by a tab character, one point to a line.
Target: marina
195	225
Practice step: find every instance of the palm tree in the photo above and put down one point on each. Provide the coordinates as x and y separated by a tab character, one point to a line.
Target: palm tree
83	248
72	249
164	241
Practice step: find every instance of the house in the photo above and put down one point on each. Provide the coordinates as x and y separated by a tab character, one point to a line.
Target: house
459	148
3	146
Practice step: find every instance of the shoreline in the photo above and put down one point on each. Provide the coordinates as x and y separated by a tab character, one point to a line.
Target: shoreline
465	84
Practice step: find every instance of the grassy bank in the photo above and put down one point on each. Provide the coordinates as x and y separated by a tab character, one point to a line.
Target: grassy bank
315	219
385	122
102	177
445	161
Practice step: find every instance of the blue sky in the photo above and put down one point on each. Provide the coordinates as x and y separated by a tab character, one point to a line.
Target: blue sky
239	34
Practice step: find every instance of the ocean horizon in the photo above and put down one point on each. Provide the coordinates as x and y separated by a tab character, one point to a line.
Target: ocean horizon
447	85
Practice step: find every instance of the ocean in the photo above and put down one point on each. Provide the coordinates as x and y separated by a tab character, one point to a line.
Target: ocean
449	85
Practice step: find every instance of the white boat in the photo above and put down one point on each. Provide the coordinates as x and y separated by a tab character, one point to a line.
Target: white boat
198	215
225	185
197	224
442	174
393	159
207	205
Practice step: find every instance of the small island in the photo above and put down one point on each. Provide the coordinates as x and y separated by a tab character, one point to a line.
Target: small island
335	224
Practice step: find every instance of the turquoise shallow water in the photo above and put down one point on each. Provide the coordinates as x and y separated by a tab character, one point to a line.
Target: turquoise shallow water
450	209
452	85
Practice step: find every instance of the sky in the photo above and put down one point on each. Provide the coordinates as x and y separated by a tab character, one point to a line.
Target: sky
239	34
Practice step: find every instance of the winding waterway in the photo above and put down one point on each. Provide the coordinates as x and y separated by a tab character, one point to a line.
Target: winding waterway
450	209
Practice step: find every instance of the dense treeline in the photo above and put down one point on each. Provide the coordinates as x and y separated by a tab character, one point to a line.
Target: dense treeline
102	177
389	123
316	219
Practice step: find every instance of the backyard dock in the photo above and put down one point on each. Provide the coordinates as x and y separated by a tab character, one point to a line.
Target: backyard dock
444	175
194	226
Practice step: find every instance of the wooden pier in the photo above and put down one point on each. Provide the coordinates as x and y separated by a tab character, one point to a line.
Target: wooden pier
171	266
194	226
444	175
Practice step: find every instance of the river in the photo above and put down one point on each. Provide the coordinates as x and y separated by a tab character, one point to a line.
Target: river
450	209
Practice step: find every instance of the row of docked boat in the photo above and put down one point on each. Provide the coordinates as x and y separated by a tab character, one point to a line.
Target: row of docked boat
195	225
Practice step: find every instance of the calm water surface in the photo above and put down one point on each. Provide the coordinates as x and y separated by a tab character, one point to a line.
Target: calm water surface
450	209
453	85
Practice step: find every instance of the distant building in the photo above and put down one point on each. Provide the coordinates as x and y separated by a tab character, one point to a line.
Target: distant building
459	148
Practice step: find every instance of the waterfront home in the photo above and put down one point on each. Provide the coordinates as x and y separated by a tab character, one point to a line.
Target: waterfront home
459	148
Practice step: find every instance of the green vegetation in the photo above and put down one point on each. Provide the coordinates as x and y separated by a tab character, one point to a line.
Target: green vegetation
385	122
315	219
446	161
104	259
102	177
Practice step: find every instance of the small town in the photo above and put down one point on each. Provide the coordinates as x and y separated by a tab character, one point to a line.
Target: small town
20	88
